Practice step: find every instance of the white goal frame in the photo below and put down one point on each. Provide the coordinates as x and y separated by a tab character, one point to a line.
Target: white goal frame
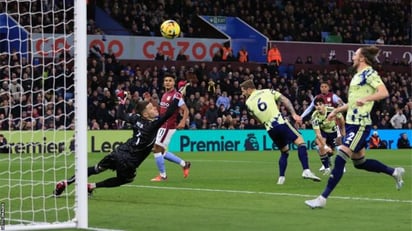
80	219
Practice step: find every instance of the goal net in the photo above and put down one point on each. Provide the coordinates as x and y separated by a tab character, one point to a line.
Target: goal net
42	43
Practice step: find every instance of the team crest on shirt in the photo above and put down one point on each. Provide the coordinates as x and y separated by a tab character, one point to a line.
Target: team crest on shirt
168	97
328	99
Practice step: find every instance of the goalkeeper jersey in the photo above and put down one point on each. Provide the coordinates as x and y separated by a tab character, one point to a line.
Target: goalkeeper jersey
140	145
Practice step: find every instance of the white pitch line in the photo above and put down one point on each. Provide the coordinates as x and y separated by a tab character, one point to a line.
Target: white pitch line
268	193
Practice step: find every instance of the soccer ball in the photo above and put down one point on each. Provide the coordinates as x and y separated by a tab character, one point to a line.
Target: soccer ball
170	29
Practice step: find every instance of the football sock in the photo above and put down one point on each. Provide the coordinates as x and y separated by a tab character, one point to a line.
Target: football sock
317	149
283	163
325	161
71	180
160	162
92	185
303	156
335	175
173	158
372	165
90	171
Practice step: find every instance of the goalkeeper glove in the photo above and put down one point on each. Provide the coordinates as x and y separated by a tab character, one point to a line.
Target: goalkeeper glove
182	85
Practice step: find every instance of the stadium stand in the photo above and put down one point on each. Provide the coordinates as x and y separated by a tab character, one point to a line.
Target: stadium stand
312	21
106	74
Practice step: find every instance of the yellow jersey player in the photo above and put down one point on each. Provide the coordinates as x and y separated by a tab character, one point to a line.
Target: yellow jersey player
328	132
365	88
262	104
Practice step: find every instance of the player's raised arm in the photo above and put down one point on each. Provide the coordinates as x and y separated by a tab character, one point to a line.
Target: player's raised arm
289	106
337	110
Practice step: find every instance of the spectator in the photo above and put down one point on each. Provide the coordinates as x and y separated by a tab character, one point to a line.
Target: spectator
381	39
403	141
211	113
160	56
242	55
309	60
227	53
398	120
375	141
181	56
4	146
224	100
274	56
217	57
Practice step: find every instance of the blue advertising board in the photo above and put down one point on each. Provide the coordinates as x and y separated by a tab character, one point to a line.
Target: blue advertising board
243	140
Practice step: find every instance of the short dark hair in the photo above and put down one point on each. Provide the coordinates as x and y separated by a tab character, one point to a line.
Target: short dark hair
248	84
319	100
141	106
168	74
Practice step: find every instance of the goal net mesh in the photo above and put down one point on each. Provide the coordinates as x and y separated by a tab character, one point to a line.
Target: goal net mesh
37	112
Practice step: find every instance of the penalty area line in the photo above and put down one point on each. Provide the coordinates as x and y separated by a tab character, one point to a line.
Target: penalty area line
268	193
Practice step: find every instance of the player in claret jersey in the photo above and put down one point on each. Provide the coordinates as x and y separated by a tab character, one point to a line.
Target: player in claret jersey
165	133
330	99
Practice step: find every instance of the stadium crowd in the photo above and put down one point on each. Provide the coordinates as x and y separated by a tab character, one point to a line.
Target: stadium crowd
214	98
358	21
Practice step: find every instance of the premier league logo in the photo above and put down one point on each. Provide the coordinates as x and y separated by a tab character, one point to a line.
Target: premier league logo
251	142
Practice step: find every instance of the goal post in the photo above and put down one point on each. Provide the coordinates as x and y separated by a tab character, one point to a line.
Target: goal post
80	42
43	109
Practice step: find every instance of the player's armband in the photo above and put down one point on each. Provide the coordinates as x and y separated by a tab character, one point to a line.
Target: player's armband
177	96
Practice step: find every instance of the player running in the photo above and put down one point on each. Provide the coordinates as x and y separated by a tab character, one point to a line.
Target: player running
365	88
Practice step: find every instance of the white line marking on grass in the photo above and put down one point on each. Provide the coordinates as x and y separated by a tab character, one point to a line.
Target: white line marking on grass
101	229
268	193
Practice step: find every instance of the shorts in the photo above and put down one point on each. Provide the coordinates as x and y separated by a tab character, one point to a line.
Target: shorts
164	136
283	134
330	138
356	136
122	163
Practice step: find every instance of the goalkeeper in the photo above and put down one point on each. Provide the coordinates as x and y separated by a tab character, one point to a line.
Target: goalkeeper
128	156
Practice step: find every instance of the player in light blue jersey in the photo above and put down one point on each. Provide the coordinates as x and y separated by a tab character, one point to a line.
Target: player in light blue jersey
262	104
365	88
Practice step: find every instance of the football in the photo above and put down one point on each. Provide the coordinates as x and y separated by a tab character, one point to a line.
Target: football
170	29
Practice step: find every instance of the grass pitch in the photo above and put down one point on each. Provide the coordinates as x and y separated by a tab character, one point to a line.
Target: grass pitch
238	191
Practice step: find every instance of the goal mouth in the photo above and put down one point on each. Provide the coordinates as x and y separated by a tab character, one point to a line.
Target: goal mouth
40	42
